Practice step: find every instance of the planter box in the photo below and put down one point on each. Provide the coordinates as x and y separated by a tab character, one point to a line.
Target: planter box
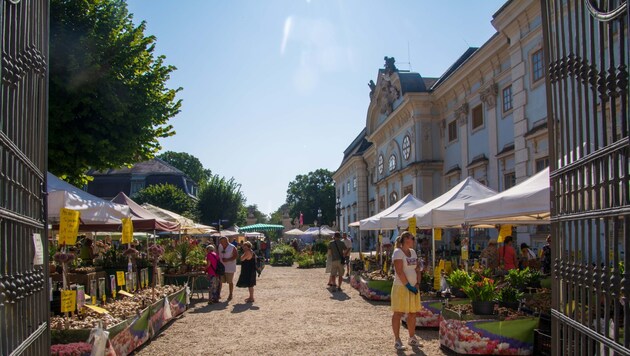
379	290
429	316
470	334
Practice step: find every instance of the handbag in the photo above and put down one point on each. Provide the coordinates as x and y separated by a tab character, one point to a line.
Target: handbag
219	270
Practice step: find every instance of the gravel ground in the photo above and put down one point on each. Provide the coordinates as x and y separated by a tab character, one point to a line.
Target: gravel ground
293	314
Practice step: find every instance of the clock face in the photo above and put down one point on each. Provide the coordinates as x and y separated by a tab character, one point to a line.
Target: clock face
380	164
392	163
406	148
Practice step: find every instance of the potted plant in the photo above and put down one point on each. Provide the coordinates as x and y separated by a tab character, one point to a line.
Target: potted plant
183	249
509	297
458	279
517	279
482	294
196	259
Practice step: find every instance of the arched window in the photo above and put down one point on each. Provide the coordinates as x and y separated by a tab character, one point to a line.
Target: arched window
380	164
406	147
392	163
393	197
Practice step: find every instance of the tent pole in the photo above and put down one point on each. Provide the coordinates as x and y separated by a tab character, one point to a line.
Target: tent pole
433	249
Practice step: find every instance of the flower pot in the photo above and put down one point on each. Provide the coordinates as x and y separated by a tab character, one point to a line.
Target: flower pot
483	308
509	305
458	292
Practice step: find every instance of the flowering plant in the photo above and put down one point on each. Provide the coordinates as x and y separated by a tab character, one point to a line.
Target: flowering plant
483	291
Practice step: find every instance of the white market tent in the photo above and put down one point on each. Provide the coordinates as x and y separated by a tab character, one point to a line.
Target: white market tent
96	213
447	210
388	219
294	232
315	230
187	226
526	204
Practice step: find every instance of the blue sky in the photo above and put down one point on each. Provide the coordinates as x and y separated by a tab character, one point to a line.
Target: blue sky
277	88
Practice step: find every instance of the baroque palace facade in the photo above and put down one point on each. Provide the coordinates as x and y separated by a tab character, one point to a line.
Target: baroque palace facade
485	117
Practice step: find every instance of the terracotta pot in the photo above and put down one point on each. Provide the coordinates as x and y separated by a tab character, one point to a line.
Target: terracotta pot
483	308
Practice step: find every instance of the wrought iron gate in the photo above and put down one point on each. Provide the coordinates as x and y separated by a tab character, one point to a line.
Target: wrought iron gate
24	305
586	49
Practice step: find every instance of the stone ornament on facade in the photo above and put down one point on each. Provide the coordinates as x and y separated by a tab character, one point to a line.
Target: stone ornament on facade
406	147
461	114
488	95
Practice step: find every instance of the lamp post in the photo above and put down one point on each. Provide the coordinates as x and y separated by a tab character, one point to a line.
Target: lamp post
319	222
338	206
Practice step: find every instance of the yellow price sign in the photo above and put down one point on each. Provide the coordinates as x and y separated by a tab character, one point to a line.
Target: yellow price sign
506	230
68	226
127	230
98	309
412	225
126	294
68	301
120	278
464	254
437	234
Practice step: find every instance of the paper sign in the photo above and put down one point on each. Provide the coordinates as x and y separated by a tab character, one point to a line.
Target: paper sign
437	275
476	264
412	225
68	226
68	300
98	309
80	297
38	259
101	290
126	294
120	277
506	230
127	231
437	234
112	285
464	254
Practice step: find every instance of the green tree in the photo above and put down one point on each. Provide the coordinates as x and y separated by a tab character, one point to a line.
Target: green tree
108	100
276	216
310	192
169	197
188	164
221	199
259	215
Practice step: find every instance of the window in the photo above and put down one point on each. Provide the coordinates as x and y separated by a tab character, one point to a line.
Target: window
542	163
538	70
381	202
348	185
406	147
393	197
392	163
477	117
509	180
136	186
507	99
452	131
354	183
380	164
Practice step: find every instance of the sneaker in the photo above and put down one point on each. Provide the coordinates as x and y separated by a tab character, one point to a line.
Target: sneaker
399	345
413	341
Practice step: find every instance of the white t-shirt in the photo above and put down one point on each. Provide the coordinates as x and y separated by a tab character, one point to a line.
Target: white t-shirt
230	267
348	243
409	265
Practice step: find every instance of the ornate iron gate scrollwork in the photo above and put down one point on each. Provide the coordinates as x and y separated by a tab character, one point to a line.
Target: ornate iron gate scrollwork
24	306
586	51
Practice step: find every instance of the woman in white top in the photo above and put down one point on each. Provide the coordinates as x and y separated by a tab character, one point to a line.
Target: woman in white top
405	297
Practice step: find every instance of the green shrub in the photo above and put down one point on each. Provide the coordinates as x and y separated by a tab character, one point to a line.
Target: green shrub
510	295
517	279
459	278
320	247
283	249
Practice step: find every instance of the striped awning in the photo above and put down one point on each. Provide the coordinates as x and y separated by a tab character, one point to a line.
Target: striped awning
261	228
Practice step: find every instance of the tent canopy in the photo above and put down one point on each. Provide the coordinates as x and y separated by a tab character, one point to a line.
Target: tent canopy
294	232
186	225
447	210
315	230
142	219
225	233
96	213
261	228
526	203
388	218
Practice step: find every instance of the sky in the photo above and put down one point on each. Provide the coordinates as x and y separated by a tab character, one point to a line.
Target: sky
272	89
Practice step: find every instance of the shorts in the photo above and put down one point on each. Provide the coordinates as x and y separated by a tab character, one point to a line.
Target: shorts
404	301
227	278
336	268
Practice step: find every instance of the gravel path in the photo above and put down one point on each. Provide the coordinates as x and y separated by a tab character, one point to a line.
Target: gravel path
293	314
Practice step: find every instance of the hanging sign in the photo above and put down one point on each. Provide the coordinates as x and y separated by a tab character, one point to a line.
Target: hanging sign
68	301
127	231
437	234
506	230
68	226
38	259
120	277
412	225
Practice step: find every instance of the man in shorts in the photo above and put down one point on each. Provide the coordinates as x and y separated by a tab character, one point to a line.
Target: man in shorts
227	253
348	243
337	249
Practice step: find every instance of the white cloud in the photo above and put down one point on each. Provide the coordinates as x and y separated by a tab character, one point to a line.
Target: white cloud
288	24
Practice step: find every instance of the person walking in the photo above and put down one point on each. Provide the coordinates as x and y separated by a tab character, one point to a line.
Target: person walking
227	253
247	278
546	256
348	243
507	255
404	295
336	249
214	282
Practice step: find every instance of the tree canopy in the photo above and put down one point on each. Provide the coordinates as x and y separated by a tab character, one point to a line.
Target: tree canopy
188	164
221	199
169	197
108	99
310	192
261	217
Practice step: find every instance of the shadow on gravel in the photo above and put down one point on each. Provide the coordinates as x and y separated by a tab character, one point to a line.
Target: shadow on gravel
208	307
340	296
239	308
